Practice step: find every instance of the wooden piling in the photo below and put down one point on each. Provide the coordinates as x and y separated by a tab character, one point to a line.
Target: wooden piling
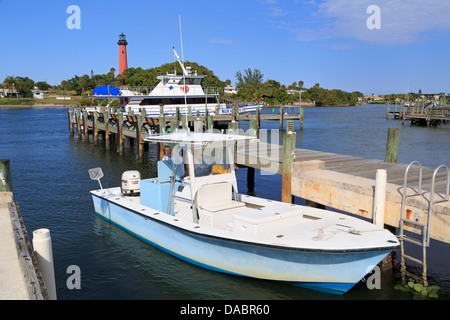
301	118
78	122
120	132
95	125
71	131
281	117
198	126
174	125
258	117
253	128
233	127
106	115
85	125
184	122
140	120
5	175
288	157
392	145
209	123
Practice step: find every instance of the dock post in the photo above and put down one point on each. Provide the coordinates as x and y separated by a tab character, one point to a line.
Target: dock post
78	122
42	245
288	157
120	132
106	118
140	119
198	126
379	200
162	130
95	126
209	123
258	116
85	126
233	127
253	128
5	176
387	112
70	121
301	117
184	121
392	145
281	117
174	125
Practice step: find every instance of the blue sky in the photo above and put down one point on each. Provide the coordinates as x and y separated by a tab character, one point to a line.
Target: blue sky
316	41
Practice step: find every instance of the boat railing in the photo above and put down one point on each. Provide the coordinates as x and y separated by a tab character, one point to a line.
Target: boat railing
140	90
211	90
291	110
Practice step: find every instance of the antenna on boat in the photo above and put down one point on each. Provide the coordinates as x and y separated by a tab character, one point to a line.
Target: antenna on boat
96	174
181	39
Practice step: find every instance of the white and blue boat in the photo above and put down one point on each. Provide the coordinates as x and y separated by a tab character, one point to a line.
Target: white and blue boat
203	219
174	91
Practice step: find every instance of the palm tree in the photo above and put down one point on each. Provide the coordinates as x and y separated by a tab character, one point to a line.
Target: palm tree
65	85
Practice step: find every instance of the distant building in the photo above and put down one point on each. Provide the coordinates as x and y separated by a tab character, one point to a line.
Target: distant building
229	90
373	97
37	93
8	92
431	96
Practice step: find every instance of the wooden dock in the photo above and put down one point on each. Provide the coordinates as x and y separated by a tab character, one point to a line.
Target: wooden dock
347	183
339	181
20	278
420	114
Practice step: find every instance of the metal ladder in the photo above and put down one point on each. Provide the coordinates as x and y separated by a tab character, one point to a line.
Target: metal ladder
425	241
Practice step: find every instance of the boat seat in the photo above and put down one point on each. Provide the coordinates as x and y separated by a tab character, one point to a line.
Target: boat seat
222	205
266	220
217	197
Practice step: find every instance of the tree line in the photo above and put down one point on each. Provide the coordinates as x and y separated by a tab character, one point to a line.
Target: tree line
250	84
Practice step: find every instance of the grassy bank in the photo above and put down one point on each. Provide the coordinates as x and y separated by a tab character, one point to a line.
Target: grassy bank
27	102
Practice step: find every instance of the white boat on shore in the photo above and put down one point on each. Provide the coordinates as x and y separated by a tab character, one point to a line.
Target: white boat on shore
182	91
203	219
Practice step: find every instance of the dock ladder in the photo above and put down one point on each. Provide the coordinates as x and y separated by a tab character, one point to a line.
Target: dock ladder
425	241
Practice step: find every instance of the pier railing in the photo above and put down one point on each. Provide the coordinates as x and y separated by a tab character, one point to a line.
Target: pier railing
429	112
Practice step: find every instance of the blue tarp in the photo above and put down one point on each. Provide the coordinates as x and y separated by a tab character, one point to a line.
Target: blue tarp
103	91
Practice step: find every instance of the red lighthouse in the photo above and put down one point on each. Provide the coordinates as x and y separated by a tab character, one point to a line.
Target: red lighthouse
122	53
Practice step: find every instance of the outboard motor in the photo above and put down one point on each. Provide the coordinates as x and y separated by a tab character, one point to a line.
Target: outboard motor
131	183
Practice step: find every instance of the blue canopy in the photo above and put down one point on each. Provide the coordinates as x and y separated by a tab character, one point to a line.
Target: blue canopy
103	91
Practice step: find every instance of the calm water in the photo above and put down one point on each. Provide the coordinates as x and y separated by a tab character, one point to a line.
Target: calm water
51	184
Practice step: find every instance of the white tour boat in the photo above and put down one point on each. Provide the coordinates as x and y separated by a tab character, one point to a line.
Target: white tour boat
203	219
183	91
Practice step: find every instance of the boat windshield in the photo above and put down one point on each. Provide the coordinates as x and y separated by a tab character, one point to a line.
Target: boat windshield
211	160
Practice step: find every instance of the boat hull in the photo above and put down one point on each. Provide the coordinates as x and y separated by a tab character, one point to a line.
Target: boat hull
307	268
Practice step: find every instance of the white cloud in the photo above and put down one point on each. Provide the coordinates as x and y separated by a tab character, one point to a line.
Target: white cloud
221	41
402	22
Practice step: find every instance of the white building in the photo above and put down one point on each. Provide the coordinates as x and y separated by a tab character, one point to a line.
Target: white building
8	92
37	93
229	90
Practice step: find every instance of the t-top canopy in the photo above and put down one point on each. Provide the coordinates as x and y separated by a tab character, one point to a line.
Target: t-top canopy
103	91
